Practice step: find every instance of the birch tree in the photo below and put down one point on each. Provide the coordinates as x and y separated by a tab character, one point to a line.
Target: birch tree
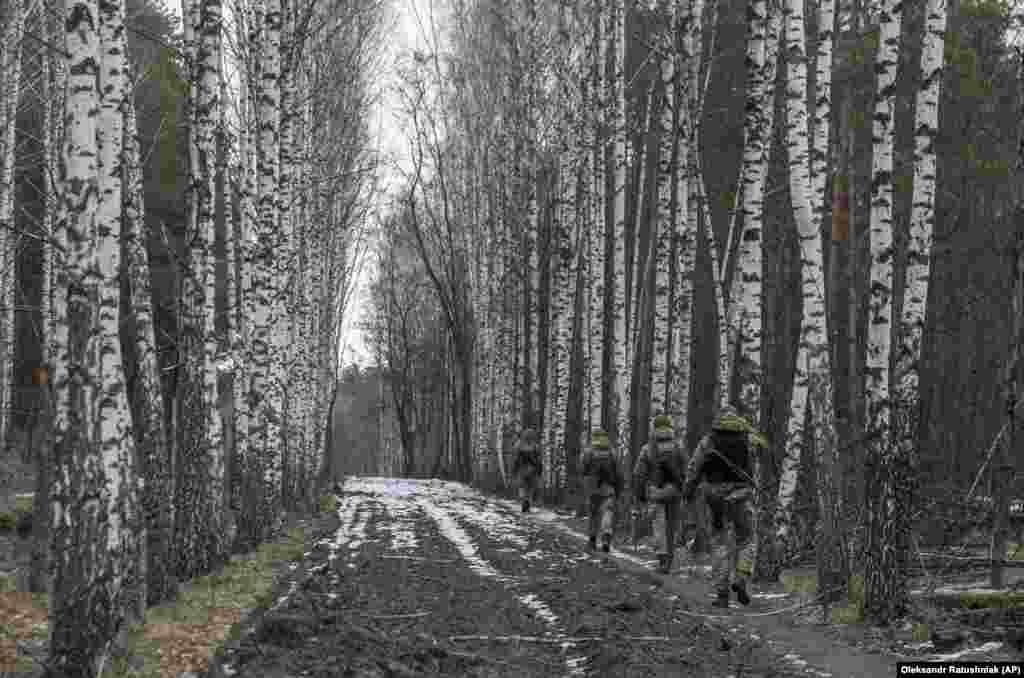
621	378
154	452
10	62
884	580
265	424
93	494
596	248
662	249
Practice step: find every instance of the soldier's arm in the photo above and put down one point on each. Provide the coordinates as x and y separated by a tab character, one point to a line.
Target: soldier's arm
640	473
584	462
695	466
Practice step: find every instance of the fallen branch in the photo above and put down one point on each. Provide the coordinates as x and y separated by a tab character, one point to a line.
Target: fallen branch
979	560
559	641
410	615
418	558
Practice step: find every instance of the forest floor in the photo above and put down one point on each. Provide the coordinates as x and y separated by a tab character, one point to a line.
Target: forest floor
431	578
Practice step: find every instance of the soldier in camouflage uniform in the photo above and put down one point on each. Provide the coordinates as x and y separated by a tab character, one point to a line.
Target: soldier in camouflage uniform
724	460
602	484
658	476
527	467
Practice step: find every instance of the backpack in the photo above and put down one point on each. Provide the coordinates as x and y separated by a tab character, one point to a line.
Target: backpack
602	466
528	456
665	462
730	462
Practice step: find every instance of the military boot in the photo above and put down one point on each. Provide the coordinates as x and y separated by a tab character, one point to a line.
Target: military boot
740	587
664	563
592	543
606	543
721	600
526	506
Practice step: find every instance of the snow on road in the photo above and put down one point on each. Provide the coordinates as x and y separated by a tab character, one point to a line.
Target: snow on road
442	503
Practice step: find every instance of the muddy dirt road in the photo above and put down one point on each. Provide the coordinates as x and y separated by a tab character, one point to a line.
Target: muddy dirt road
429	578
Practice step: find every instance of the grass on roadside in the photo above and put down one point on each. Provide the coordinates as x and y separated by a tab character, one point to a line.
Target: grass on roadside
852	612
180	635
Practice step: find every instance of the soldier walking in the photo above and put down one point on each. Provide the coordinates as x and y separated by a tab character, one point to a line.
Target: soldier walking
602	484
658	477
527	467
724	461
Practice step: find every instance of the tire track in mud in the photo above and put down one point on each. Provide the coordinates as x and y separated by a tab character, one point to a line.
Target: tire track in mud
596	598
460	539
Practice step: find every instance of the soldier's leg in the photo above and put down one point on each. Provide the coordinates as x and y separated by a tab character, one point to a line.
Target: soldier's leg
744	528
593	515
671	526
719	535
702	532
742	518
607	516
660	528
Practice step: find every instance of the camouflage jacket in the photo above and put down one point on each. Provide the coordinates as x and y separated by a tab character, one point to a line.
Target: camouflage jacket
527	454
705	451
589	476
646	473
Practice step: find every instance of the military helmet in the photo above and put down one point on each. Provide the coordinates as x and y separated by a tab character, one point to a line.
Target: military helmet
529	435
599	440
663	422
728	419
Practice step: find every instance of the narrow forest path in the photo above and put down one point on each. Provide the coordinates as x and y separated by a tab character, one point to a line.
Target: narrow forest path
431	578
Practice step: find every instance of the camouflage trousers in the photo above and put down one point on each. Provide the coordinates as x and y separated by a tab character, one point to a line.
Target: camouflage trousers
666	523
528	479
601	515
732	544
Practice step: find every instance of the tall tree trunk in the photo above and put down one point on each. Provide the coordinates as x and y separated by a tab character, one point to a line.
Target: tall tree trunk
767	564
833	564
150	433
663	235
11	66
918	269
267	395
620	376
93	494
596	260
884	581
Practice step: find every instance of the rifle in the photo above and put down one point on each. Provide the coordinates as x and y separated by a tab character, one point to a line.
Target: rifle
635	517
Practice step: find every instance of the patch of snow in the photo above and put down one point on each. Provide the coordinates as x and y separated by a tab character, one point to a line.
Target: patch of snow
918	646
770	596
978	586
497	526
469	552
402	515
358	533
794	660
987	647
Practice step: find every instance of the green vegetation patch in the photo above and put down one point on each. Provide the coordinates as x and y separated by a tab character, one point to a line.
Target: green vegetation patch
799	583
971	600
852	612
182	634
328	503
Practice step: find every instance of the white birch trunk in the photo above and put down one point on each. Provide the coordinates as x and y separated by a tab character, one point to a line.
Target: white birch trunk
621	376
922	217
154	452
265	426
92	540
662	249
762	50
882	584
812	363
8	239
597	233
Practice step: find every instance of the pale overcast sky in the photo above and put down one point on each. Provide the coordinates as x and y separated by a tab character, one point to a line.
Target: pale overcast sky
401	35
